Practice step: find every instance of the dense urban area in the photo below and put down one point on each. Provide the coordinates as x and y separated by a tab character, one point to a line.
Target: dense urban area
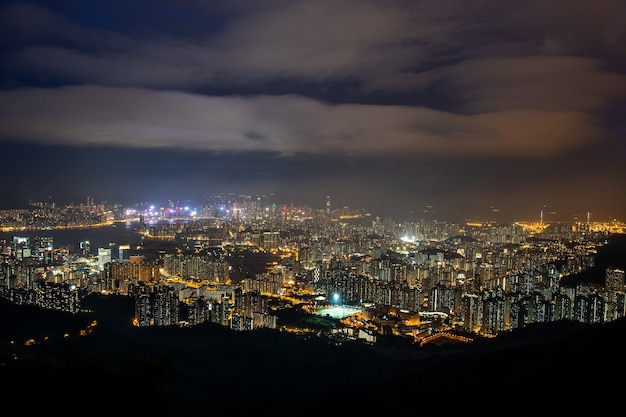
241	263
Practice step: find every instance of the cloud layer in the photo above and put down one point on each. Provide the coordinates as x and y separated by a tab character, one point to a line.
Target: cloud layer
501	103
286	125
447	80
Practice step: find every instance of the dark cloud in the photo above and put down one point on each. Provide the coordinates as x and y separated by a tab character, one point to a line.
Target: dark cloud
460	103
125	117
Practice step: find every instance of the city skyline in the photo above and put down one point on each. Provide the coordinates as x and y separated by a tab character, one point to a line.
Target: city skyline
471	110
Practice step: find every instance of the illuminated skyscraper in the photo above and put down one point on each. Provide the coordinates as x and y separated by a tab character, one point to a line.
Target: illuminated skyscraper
124	251
85	248
21	247
614	279
104	256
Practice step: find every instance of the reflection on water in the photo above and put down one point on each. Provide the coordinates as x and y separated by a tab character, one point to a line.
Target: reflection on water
98	237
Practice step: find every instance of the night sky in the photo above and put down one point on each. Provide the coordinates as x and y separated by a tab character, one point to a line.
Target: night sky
482	109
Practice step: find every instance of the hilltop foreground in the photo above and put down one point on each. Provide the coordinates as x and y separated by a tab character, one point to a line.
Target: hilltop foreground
212	370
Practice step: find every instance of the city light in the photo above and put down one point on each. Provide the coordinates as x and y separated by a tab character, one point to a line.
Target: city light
372	265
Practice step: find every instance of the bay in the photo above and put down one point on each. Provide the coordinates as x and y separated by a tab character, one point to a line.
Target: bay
121	233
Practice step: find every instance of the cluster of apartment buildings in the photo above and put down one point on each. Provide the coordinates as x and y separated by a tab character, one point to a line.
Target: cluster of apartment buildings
483	278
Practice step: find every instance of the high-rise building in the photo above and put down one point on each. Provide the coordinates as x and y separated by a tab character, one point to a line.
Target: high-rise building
104	256
85	248
124	252
614	279
21	247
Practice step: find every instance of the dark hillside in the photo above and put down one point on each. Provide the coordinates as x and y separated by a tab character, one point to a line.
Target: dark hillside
610	255
211	370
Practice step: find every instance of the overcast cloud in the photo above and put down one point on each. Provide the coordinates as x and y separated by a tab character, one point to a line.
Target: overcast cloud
423	81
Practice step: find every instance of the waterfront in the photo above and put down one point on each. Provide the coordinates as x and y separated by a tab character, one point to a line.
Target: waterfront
110	236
